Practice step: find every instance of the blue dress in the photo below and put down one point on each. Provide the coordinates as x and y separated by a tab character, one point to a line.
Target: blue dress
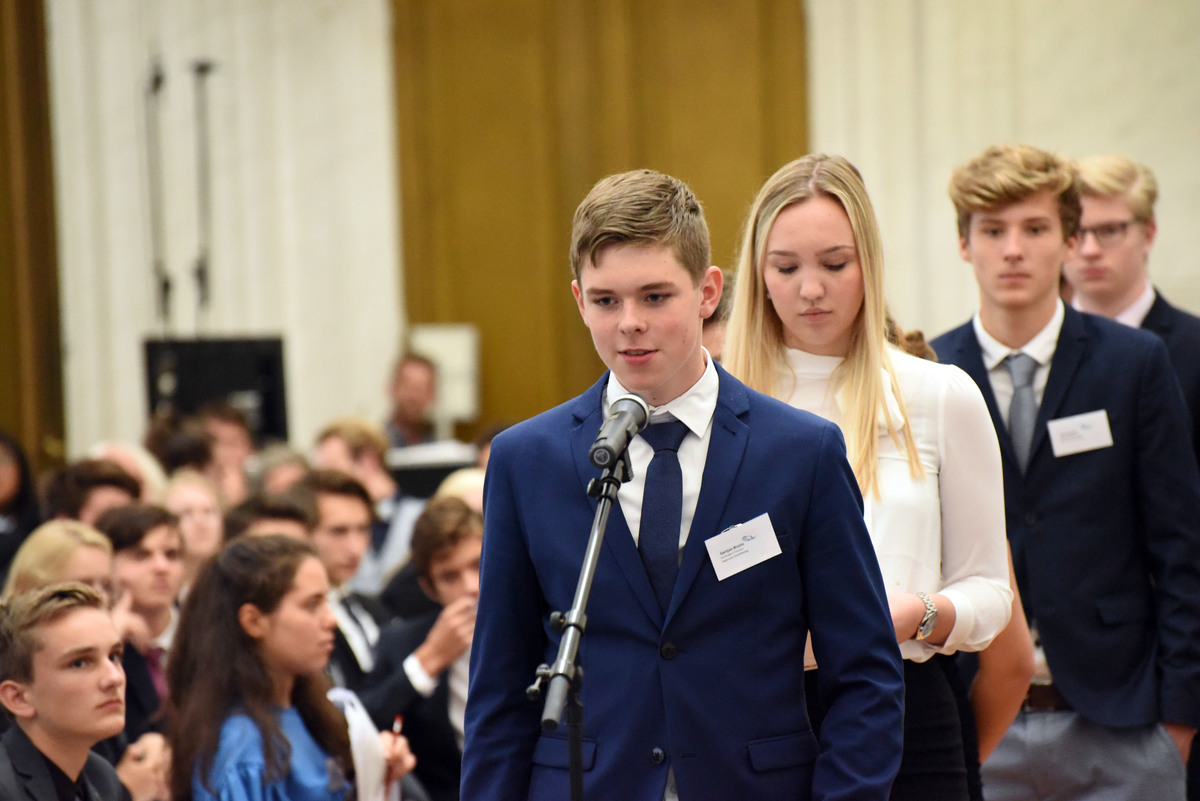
239	767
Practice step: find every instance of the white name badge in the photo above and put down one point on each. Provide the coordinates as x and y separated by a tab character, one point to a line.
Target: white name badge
1079	433
742	546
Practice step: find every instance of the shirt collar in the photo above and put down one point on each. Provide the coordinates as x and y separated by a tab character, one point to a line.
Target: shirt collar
1135	313
1040	348
167	636
694	408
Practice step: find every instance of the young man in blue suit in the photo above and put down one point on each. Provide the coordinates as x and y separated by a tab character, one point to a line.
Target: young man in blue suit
1102	500
694	683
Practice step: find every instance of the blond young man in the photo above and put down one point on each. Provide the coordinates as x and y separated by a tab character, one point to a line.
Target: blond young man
1102	499
62	684
1109	268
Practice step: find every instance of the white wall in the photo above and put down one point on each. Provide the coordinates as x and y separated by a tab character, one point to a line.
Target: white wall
305	218
909	89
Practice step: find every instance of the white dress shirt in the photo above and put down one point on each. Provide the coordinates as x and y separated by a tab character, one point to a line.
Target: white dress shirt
943	532
1041	349
359	628
1135	313
694	409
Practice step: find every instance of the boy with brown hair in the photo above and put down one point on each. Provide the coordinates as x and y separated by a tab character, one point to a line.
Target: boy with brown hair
695	684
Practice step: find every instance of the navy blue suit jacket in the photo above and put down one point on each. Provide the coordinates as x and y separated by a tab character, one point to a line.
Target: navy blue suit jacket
714	687
1106	543
1181	332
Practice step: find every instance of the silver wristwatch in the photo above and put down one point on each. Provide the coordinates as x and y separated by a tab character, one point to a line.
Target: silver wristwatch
929	622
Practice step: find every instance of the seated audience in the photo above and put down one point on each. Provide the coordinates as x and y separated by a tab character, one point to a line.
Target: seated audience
194	501
421	669
232	444
61	681
250	718
86	489
286	513
341	536
403	597
359	449
137	462
19	514
148	571
70	551
276	469
413	390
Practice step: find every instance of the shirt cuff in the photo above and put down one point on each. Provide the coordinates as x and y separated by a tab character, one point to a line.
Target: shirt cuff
421	681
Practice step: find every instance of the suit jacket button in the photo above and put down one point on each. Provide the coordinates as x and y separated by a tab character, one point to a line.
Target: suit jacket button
657	756
1031	518
668	650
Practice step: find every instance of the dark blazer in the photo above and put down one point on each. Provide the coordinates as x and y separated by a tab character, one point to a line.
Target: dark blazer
141	699
1181	332
24	776
714	687
387	692
1106	543
343	664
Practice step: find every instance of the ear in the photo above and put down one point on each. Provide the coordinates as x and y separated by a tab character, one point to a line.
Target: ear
578	293
252	620
964	248
1151	229
16	700
712	283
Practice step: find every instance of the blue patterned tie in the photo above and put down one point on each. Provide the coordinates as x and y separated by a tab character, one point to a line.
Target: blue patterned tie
1022	413
662	509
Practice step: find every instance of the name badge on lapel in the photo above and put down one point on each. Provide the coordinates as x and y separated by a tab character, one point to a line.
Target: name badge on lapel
1079	433
742	546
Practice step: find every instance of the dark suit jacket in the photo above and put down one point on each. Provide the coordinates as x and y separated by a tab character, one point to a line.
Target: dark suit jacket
343	664
141	699
24	776
714	687
1181	332
1106	543
387	692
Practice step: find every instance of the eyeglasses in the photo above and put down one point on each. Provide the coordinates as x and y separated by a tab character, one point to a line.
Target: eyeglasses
1107	234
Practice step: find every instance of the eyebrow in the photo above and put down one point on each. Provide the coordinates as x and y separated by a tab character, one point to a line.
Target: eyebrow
656	287
825	252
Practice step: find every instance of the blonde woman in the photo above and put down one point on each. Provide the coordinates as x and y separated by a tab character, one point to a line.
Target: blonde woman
808	326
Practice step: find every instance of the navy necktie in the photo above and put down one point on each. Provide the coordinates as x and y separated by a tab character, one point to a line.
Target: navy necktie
662	509
1022	413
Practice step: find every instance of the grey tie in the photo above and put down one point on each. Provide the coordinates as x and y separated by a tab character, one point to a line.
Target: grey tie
1023	412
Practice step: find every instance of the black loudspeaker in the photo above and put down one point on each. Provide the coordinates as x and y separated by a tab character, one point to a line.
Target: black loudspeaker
183	375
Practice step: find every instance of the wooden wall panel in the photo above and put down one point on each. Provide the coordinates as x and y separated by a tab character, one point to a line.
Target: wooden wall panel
507	117
31	397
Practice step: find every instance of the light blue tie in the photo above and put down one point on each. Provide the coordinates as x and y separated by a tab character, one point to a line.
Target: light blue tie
1022	413
662	509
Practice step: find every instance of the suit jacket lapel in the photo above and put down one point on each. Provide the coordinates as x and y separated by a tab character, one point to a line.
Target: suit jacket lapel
1067	355
726	446
1160	318
29	764
618	541
970	360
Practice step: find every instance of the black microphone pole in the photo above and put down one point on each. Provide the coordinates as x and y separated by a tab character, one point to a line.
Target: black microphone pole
563	681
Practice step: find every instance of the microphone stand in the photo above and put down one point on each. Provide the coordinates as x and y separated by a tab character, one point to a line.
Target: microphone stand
564	680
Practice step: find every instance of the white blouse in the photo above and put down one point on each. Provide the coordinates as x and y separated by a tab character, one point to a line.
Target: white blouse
944	532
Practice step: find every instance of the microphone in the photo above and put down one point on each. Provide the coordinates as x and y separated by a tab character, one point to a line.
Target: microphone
627	415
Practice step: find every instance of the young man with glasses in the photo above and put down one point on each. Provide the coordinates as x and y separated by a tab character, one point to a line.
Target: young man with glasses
1108	269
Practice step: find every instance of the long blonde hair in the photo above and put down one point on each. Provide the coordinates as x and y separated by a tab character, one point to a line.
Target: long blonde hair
754	350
